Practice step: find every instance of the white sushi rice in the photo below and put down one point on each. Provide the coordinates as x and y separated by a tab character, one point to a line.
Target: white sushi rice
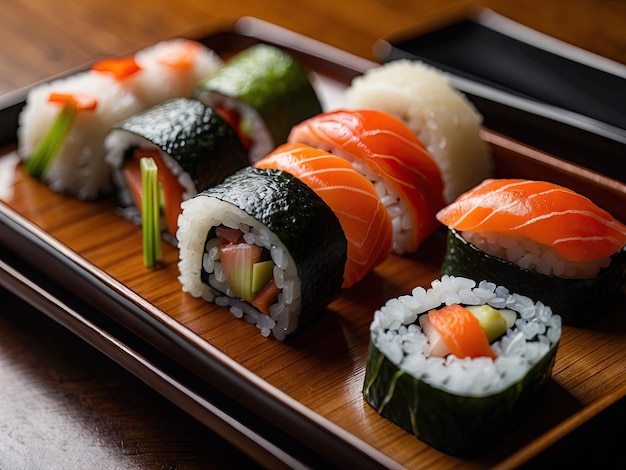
396	333
401	222
534	256
158	80
200	214
79	168
441	117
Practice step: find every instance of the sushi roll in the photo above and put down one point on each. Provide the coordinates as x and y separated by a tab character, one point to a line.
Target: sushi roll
264	91
192	145
62	127
460	364
351	196
442	117
541	239
172	68
263	244
64	122
383	149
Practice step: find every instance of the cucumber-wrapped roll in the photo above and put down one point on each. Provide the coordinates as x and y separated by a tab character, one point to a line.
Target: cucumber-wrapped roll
460	364
193	146
265	245
265	92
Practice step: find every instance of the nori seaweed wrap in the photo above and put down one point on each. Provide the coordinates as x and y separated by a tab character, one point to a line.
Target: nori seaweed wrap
264	245
191	139
577	301
460	406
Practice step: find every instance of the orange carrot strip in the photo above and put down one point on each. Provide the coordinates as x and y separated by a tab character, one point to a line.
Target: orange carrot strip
180	55
120	67
78	100
266	297
132	174
461	331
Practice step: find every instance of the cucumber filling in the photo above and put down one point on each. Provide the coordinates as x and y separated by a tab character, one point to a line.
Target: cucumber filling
242	269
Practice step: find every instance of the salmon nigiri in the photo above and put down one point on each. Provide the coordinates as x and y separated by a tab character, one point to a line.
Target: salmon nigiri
385	150
541	211
351	196
538	225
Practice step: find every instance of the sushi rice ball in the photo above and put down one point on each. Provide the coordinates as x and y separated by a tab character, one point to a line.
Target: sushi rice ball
441	117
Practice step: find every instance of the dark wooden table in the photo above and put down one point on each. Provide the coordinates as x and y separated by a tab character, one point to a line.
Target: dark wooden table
65	405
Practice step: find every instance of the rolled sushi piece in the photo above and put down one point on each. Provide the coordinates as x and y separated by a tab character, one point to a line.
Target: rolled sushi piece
441	116
193	146
386	151
263	244
264	91
493	371
541	239
351	196
60	136
171	68
64	122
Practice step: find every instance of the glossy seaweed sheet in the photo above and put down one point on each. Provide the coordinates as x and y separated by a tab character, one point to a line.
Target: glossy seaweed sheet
301	399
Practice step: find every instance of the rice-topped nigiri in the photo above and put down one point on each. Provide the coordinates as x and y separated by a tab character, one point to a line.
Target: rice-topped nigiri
441	116
351	196
549	236
385	150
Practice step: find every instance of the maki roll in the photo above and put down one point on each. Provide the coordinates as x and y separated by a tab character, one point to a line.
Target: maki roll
264	91
460	364
193	146
64	122
171	69
263	244
542	240
351	196
62	127
383	149
441	116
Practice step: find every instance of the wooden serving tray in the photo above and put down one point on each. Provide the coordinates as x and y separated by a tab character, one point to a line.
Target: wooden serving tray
286	403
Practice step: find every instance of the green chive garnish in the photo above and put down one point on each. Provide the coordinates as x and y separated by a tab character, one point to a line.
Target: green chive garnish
150	212
51	142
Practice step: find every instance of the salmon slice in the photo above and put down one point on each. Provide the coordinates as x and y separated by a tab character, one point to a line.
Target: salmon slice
540	211
461	331
351	196
385	150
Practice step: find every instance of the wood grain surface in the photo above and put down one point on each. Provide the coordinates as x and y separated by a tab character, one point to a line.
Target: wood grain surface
65	405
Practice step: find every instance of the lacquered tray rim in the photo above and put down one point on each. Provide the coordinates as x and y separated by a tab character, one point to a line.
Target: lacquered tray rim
156	322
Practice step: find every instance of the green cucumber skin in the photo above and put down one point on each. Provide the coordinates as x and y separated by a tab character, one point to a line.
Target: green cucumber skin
269	80
464	427
577	301
308	228
195	135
